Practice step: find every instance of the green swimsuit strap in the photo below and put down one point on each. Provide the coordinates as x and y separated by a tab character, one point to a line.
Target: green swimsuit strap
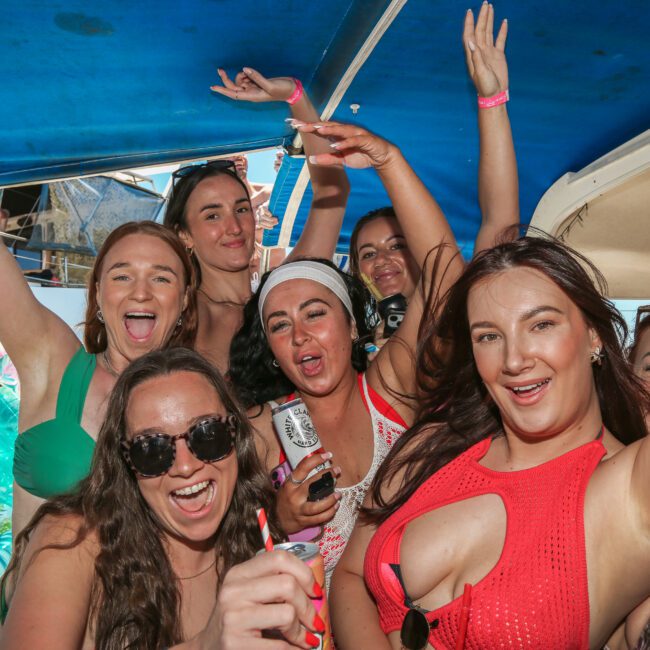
74	385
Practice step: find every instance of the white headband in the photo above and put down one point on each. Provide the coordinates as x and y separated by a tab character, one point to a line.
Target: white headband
306	270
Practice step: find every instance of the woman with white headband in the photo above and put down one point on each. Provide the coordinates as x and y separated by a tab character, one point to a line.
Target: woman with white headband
303	337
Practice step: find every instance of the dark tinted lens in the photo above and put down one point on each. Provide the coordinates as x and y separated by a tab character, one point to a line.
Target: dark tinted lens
415	630
152	455
210	440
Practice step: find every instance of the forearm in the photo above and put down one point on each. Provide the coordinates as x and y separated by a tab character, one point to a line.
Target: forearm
355	620
498	184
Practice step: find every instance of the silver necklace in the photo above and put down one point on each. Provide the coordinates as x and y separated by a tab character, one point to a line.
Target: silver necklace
200	573
109	365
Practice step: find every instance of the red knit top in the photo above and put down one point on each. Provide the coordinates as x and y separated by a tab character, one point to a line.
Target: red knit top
536	595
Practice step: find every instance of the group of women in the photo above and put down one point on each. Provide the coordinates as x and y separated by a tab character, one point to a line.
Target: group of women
495	444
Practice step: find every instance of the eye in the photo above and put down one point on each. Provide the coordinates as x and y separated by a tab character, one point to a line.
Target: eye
368	255
487	337
278	325
316	313
398	246
244	209
543	325
212	216
120	278
162	278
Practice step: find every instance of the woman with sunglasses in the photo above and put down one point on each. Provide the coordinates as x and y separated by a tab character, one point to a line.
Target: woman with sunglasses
210	209
155	548
511	514
141	297
390	253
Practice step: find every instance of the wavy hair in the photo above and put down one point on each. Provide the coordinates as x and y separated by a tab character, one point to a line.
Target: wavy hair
252	372
455	410
135	600
95	337
175	217
387	211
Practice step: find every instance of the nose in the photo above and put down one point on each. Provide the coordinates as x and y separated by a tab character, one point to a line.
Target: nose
517	356
141	290
185	462
381	257
233	227
299	334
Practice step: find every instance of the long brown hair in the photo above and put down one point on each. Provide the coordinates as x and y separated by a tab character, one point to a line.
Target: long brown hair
95	339
455	410
135	601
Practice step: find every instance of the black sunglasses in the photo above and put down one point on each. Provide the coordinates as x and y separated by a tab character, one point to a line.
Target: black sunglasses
414	634
210	440
188	170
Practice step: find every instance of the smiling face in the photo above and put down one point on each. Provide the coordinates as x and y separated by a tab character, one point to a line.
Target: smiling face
221	224
191	499
310	335
641	359
384	257
141	293
532	349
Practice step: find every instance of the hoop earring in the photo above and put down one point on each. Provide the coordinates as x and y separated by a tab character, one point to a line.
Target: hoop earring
275	363
190	251
100	316
596	356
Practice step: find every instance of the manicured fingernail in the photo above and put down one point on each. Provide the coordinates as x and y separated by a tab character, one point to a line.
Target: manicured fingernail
318	624
313	160
471	45
328	454
317	590
312	639
214	87
247	70
337	505
335	145
337	471
318	126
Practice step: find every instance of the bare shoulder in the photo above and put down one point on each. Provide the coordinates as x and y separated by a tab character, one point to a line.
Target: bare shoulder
266	442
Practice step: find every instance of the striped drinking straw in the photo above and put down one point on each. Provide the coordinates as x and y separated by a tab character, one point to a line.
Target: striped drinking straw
264	529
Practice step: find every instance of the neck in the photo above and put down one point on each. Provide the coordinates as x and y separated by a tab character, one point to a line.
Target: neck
335	403
189	559
225	286
524	451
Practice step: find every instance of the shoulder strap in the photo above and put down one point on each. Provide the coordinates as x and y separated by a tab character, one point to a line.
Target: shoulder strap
74	385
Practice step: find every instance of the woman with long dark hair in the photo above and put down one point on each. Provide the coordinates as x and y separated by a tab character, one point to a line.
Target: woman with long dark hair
141	297
153	549
210	208
512	513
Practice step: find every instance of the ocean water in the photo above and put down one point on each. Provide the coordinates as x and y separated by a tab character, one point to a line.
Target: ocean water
9	401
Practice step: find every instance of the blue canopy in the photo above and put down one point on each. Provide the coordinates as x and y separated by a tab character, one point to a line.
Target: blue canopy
92	86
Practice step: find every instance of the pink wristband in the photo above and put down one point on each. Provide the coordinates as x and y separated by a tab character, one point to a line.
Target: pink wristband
296	94
495	100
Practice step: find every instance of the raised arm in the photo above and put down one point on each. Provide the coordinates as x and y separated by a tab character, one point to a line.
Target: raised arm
425	228
329	184
32	335
498	185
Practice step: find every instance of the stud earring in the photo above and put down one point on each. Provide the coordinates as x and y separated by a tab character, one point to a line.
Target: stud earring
100	316
179	322
596	356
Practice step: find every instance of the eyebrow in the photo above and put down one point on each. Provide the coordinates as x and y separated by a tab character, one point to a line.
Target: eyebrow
531	313
216	206
389	239
302	306
150	431
157	267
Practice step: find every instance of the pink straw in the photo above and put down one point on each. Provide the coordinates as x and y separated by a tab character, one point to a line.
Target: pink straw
264	529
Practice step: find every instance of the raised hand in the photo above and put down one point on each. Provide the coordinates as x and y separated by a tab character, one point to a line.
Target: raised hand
351	145
251	86
486	59
294	510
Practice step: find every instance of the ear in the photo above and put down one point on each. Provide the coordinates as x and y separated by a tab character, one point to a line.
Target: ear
186	299
354	332
186	238
594	339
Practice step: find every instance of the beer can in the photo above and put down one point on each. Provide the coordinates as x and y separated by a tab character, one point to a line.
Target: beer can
297	434
310	554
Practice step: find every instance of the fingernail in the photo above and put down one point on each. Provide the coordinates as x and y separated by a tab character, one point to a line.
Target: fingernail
312	639
214	87
335	145
317	590
313	160
337	495
337	471
247	70
318	126
337	505
318	624
328	454
471	45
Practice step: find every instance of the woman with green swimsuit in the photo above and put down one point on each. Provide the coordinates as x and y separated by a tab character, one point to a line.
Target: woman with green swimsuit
141	297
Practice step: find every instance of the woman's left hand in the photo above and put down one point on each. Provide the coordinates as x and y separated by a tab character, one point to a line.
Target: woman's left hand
352	146
251	86
486	59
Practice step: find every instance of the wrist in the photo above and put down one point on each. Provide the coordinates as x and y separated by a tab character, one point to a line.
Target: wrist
296	94
393	158
495	100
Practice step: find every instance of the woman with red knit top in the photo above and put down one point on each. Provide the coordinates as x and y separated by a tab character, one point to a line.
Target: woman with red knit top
512	514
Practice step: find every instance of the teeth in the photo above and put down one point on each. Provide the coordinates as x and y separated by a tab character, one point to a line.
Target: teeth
307	359
139	314
193	489
521	389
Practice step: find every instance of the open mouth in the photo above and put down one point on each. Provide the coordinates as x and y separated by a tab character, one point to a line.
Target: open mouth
139	325
310	365
194	498
529	390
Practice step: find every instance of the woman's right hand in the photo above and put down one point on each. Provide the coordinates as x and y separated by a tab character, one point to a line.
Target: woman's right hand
271	592
295	512
352	146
